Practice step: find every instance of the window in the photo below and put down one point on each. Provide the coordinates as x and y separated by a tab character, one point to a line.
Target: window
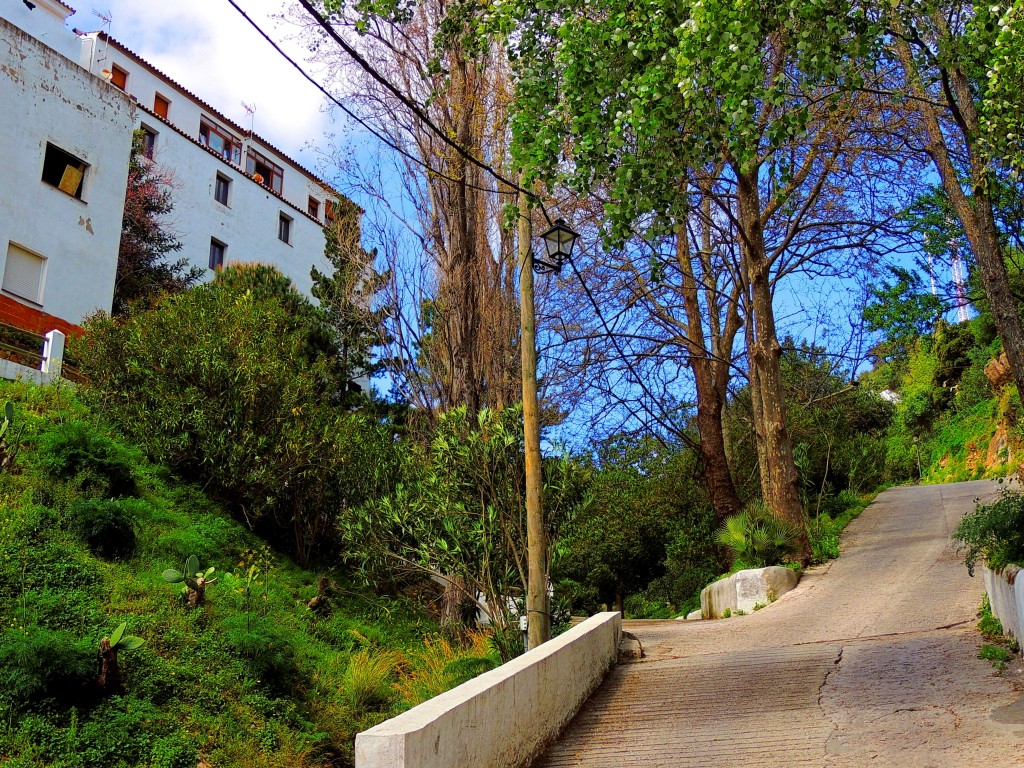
284	229
220	141
314	207
221	189
65	172
118	77
148	142
217	250
266	171
161	106
23	273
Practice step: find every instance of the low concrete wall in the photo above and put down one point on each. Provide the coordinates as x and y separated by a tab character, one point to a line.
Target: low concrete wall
505	717
15	371
745	590
1006	595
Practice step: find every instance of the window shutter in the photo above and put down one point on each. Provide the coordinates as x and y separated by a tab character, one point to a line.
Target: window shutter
23	273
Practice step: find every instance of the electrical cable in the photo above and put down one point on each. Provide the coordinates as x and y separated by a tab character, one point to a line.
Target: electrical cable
384	140
409	103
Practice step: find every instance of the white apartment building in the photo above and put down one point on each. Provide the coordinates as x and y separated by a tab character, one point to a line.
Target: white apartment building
72	104
238	197
65	141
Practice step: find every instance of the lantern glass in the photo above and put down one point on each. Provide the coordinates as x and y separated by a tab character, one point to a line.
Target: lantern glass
558	243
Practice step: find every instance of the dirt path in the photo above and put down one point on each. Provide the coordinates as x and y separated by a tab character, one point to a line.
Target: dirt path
872	660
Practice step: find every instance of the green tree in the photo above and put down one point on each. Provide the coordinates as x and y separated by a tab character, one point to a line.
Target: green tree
348	295
144	271
229	384
458	514
616	547
901	310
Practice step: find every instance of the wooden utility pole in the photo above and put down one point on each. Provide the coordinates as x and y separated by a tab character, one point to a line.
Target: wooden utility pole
539	626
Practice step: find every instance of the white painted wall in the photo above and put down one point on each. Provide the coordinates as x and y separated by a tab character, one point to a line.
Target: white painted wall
248	225
48	98
45	22
1006	596
503	718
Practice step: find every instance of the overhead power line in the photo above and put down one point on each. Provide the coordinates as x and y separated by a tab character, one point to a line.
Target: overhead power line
409	104
361	121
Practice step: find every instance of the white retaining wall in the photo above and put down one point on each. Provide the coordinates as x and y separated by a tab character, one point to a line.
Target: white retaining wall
505	717
1006	595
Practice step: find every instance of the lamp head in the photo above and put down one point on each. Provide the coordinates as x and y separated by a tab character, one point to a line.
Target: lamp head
558	244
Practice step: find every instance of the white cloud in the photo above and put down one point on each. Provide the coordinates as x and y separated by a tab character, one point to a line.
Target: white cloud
210	49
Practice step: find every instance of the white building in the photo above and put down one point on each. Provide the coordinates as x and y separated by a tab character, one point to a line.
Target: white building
239	198
65	141
72	103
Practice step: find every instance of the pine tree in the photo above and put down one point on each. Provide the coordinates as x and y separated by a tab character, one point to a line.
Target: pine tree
347	296
144	271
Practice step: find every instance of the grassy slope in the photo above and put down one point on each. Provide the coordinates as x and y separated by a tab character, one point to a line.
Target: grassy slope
959	446
271	685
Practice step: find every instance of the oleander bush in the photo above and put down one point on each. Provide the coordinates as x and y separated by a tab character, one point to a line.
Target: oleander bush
994	532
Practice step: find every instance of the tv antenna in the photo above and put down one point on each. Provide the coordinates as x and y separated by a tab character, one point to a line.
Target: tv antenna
251	111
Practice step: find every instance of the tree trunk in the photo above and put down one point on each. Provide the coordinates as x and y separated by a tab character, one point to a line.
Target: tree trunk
976	211
779	479
110	673
710	402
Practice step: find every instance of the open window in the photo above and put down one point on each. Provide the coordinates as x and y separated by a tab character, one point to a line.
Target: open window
23	273
314	207
266	171
220	141
64	171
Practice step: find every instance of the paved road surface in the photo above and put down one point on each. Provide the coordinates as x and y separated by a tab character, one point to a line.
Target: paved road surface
871	661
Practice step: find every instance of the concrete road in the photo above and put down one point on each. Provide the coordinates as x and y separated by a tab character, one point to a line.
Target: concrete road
870	661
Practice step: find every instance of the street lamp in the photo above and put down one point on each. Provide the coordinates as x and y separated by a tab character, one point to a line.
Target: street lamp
558	243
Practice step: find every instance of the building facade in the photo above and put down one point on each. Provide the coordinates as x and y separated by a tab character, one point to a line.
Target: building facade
73	102
65	145
237	198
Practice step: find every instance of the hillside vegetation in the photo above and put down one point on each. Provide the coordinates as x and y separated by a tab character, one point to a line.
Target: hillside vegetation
251	677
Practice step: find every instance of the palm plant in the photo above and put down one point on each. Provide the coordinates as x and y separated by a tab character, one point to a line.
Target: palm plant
757	538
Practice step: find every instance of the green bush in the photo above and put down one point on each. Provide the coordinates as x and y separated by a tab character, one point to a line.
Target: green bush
757	538
78	450
366	682
106	527
39	664
265	648
235	385
993	533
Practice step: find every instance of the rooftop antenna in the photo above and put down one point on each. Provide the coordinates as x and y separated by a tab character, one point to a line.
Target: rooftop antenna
251	110
106	19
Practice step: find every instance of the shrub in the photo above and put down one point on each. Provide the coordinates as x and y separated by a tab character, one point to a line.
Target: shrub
757	538
366	682
38	664
993	532
265	648
107	527
234	384
441	665
77	449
